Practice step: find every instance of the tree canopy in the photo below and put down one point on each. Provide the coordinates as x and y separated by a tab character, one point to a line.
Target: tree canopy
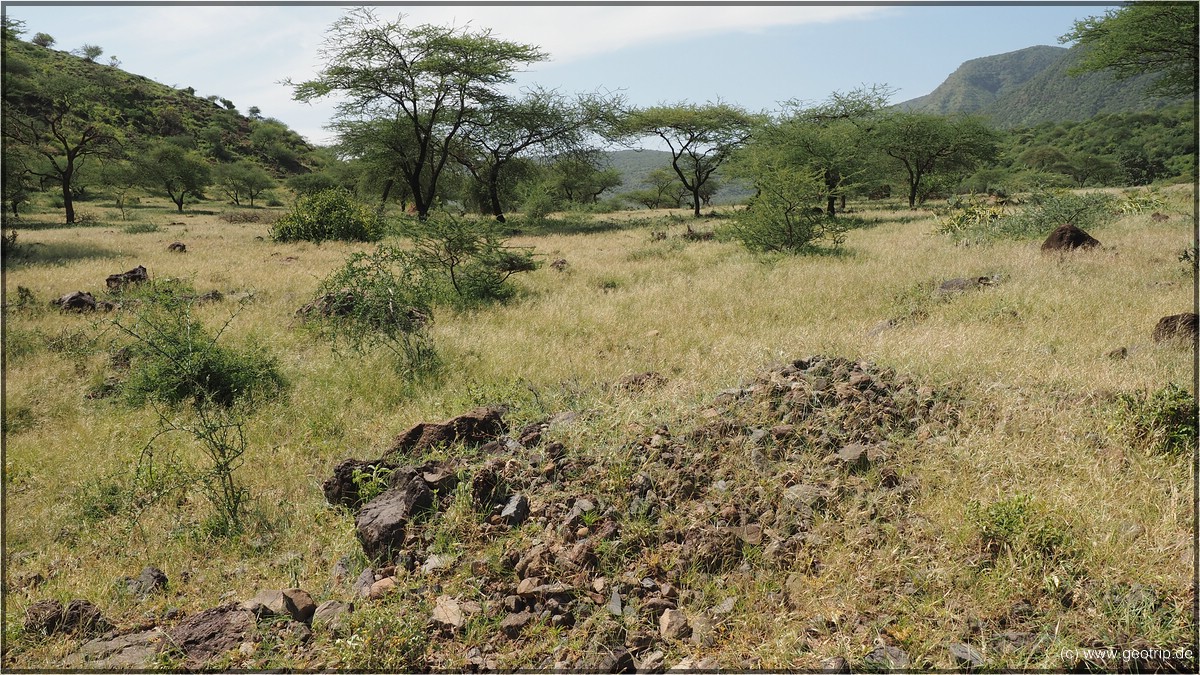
1143	37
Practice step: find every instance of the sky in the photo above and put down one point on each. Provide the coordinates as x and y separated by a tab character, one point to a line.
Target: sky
755	56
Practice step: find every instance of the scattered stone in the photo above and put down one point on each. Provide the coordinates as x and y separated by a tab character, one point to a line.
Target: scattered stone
513	624
1159	217
1118	354
438	561
293	603
854	457
475	427
515	511
382	522
134	276
447	613
381	588
887	657
835	664
618	660
560	264
43	617
965	656
362	585
1067	237
614	605
123	653
79	301
673	625
210	634
1184	326
149	581
652	662
962	285
332	614
177	247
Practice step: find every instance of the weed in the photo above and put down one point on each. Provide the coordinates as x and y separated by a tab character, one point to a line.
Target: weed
1141	202
371	484
328	215
467	261
975	221
1020	527
382	639
140	228
1162	422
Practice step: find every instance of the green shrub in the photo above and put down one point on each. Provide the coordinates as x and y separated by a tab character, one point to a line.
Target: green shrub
140	228
1043	211
377	299
326	215
174	360
1162	422
783	217
466	262
1022	528
969	217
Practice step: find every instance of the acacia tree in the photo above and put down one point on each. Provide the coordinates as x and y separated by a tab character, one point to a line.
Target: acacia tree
178	173
60	124
425	83
700	138
580	176
929	145
540	119
1140	38
243	180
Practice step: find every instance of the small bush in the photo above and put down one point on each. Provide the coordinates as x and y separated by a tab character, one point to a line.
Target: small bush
1162	422
328	215
1040	214
377	299
1022	528
783	219
174	360
969	217
466	261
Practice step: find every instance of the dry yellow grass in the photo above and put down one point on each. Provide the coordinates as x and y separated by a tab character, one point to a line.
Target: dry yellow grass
1028	356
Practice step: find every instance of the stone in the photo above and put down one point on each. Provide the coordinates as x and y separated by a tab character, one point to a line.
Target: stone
293	603
1067	237
965	656
962	285
673	625
209	635
641	381
79	301
447	613
438	561
331	614
614	605
475	427
516	510
134	276
123	653
1118	354
1177	327
362	585
43	617
341	489
381	588
149	581
513	624
835	664
177	247
854	457
527	586
618	660
887	657
381	523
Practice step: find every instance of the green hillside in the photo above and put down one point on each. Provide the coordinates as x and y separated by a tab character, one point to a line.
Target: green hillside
1032	86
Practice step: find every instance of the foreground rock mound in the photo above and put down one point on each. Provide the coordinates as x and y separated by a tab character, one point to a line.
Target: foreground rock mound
1067	237
1184	326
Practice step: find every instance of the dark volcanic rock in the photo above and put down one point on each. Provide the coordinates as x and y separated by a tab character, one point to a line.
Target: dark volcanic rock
133	276
123	653
177	247
293	603
1184	326
477	426
342	490
1068	238
887	658
211	633
150	580
382	522
79	616
79	301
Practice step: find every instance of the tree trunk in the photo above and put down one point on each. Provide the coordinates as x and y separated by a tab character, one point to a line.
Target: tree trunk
831	201
494	192
68	201
696	201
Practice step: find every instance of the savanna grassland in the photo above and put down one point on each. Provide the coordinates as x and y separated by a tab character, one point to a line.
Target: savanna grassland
1031	515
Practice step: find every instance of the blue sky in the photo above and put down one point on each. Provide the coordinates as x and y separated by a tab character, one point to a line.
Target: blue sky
754	56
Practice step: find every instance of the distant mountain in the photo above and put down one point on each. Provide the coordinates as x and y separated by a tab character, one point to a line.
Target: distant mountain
1031	86
635	165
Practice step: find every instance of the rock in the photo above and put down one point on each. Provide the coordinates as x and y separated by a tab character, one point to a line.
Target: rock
210	634
955	286
835	664
475	427
79	301
331	614
516	510
341	489
447	613
177	247
673	625
149	581
560	264
293	603
43	617
382	522
513	624
362	585
134	276
711	549
965	656
614	605
125	653
1067	237
438	561
854	457
641	381
1118	354
618	660
652	662
1177	327
887	657
381	588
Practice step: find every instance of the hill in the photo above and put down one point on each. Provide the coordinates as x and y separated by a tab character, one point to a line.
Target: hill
1033	85
636	165
143	109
